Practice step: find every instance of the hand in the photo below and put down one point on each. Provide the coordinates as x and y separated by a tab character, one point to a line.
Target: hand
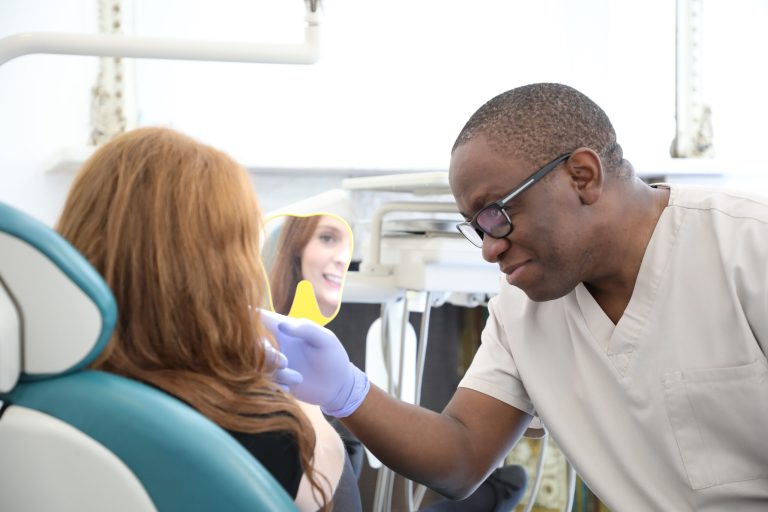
330	380
275	361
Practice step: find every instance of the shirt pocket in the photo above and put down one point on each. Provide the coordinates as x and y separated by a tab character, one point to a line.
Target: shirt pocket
719	417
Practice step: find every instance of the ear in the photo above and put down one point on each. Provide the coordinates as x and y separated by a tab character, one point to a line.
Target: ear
586	172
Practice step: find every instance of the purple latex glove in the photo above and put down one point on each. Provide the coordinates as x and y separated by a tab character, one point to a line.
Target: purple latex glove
330	380
275	361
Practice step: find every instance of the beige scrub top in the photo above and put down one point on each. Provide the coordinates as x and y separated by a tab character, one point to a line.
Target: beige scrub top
668	409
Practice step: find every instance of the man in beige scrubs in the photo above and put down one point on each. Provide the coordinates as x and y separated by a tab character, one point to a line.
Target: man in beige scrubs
632	322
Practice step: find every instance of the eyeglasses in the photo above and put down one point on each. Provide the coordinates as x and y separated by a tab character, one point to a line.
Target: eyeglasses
492	220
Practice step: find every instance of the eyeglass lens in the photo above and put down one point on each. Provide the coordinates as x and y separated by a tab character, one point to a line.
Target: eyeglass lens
493	221
471	233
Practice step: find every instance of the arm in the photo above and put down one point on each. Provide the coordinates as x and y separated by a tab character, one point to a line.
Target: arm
451	452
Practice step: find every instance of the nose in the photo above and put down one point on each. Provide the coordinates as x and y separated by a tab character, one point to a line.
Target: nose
343	257
493	248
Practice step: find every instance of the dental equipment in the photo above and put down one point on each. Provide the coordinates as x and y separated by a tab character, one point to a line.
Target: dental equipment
102	45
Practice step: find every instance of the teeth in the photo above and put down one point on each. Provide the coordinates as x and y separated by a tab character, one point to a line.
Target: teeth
333	279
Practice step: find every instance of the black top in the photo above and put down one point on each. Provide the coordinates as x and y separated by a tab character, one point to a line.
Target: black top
278	453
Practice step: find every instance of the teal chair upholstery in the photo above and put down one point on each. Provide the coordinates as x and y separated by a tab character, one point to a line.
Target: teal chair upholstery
78	439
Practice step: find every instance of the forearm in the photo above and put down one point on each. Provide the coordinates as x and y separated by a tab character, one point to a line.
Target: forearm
452	452
435	449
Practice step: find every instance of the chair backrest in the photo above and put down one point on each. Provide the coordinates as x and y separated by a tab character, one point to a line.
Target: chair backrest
77	439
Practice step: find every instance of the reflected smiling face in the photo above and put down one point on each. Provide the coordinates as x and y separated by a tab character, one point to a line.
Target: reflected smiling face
547	252
324	261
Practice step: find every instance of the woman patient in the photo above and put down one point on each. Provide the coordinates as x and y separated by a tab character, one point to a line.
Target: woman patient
173	226
316	248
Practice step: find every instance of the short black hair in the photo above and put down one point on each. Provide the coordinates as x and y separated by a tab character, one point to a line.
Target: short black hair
538	122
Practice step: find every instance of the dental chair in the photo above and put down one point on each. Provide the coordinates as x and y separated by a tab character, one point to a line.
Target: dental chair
78	439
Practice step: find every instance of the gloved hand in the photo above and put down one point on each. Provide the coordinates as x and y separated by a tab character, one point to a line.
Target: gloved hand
330	380
275	361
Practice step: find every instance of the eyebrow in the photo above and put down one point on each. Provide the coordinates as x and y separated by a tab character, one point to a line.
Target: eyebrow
482	205
469	216
331	228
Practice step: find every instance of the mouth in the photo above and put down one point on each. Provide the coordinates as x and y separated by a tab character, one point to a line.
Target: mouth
333	279
514	271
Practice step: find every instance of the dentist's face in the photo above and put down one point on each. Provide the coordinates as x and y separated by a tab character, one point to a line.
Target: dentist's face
325	260
548	252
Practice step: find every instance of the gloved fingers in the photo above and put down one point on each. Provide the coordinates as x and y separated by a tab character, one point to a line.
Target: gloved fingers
286	378
270	319
273	358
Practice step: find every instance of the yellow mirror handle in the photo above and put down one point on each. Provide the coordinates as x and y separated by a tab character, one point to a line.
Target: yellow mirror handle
305	304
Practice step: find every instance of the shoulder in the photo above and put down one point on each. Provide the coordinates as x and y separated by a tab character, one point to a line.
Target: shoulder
733	222
328	458
720	202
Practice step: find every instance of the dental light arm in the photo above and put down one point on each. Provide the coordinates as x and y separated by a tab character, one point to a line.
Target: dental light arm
103	45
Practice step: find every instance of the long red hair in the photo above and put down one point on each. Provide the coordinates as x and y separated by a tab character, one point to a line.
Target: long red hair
173	225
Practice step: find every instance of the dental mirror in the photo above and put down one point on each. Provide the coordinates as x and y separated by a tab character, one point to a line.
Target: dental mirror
306	259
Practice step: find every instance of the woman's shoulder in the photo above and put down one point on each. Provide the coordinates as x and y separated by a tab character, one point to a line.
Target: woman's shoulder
329	457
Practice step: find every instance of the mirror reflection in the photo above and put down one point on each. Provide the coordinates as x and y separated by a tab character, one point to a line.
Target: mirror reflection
306	258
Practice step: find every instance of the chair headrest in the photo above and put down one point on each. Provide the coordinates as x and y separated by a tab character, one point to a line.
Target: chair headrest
56	312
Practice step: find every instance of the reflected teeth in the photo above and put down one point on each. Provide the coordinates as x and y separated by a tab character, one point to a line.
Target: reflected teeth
333	279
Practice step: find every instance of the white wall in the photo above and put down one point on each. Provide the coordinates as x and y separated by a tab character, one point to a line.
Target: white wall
395	84
735	79
44	104
398	79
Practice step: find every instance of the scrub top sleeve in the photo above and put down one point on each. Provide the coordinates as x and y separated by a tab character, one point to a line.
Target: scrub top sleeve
493	370
750	252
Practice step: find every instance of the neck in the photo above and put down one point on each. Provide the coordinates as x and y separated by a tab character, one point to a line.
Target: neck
637	210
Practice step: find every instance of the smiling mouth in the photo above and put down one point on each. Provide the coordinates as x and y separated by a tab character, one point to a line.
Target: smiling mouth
332	278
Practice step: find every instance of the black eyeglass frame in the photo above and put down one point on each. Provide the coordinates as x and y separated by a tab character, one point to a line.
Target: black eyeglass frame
501	203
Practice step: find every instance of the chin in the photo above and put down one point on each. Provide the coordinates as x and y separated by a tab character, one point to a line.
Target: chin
327	310
541	295
540	298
